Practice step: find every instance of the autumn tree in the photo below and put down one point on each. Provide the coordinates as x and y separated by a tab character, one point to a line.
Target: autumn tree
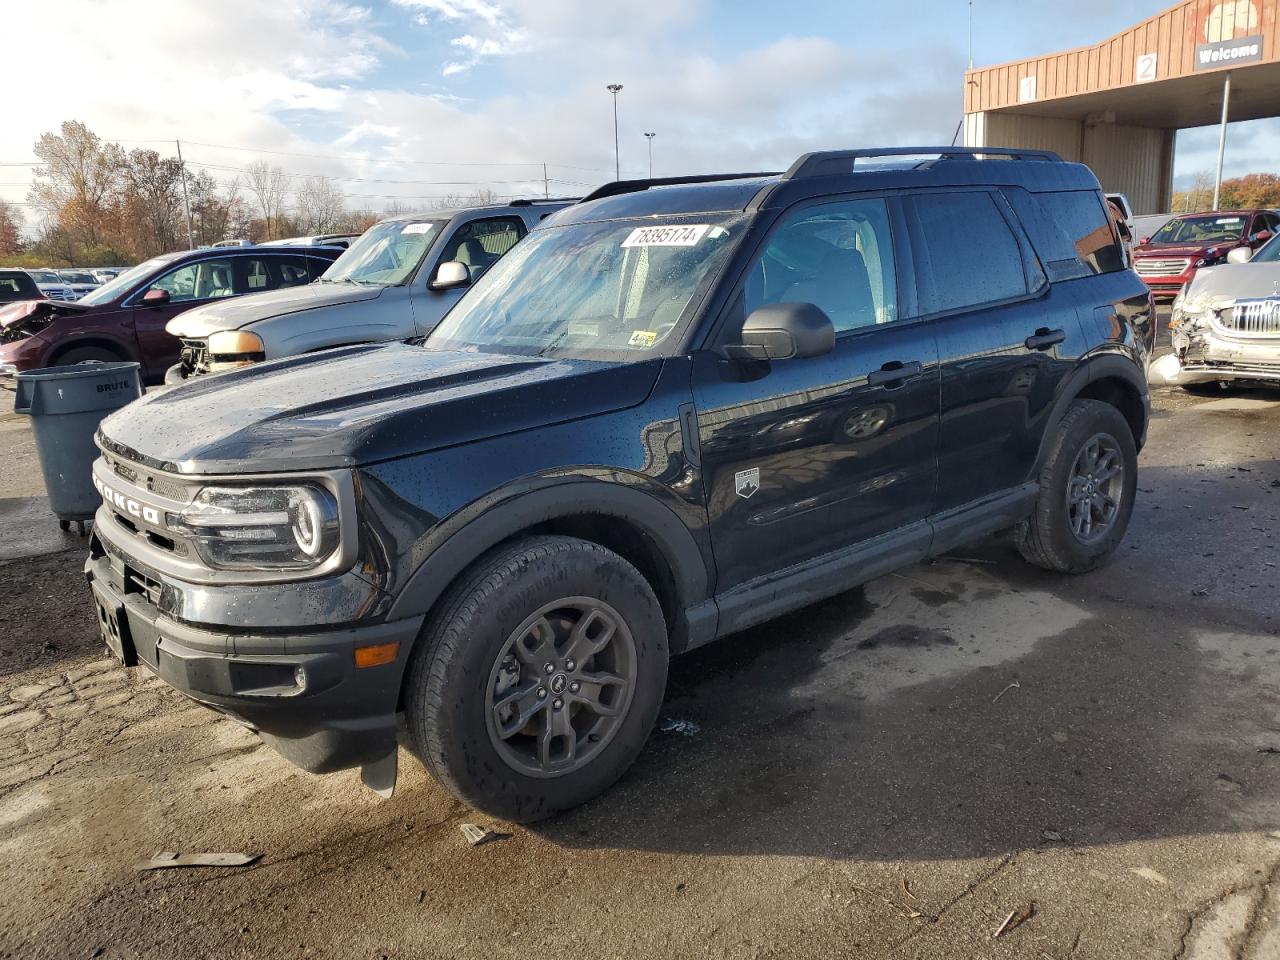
10	230
77	184
151	200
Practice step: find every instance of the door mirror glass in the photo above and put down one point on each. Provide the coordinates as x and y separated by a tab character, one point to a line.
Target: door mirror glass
786	331
156	297
1240	255
450	275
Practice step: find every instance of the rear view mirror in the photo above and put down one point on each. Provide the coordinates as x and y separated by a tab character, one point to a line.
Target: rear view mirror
155	297
450	275
1240	255
786	331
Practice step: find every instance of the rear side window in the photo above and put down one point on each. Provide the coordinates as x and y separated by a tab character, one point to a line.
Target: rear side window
1071	231
965	252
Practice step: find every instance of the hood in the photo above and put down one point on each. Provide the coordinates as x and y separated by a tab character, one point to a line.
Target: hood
14	313
235	312
1225	284
363	404
1181	249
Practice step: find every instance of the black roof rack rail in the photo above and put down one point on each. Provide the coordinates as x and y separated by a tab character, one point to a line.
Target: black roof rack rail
530	201
619	187
824	163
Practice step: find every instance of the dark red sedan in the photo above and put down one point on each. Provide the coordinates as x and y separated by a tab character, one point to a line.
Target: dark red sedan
125	318
1170	257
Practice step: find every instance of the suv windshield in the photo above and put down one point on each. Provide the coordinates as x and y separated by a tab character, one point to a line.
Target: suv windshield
114	288
1201	229
44	276
605	290
386	254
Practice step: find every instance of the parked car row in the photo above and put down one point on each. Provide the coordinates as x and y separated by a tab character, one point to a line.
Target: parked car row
673	410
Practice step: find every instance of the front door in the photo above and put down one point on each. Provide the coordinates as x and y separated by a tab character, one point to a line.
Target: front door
479	244
804	457
189	285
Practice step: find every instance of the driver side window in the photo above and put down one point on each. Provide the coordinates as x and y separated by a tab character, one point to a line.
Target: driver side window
202	280
837	256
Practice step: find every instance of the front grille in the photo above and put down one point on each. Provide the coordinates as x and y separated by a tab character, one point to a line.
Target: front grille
156	483
1252	316
1154	267
195	356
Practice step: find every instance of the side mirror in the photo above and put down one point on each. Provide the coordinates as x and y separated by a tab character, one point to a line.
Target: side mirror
1240	255
450	275
1262	236
1144	241
786	331
155	297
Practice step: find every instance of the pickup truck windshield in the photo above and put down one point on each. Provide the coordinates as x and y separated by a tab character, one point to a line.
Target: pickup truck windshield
614	289
1198	229
386	254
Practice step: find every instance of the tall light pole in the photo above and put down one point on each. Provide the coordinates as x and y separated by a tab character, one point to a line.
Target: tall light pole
649	137
617	163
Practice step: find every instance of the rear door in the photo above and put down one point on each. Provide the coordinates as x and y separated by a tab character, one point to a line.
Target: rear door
805	457
1006	338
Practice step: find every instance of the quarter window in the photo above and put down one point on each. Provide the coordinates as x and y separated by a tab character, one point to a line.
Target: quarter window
837	256
965	252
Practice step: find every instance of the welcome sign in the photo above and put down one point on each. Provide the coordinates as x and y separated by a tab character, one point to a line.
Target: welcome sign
1224	53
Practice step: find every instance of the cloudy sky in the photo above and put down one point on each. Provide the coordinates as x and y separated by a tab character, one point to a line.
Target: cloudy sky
412	99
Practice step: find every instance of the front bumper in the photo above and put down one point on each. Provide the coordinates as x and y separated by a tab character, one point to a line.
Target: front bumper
1203	353
298	688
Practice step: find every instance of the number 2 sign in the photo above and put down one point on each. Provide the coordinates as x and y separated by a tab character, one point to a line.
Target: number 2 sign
1146	71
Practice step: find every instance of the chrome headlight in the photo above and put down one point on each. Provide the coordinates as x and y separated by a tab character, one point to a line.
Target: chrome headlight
261	528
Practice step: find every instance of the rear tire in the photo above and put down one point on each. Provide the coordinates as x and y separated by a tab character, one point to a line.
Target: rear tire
1087	487
85	355
492	724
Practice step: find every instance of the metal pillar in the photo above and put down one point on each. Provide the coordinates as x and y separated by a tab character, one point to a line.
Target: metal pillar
1222	139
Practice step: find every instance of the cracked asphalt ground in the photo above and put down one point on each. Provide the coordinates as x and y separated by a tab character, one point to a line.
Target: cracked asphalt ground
891	773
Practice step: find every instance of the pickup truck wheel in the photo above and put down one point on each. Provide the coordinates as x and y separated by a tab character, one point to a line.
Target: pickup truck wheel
535	686
1087	487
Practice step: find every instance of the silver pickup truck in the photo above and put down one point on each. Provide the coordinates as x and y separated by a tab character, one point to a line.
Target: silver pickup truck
397	281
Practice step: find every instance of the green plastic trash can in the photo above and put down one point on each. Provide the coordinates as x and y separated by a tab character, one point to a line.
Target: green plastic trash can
65	405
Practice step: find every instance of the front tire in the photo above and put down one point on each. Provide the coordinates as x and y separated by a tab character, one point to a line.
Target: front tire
85	355
1087	487
536	684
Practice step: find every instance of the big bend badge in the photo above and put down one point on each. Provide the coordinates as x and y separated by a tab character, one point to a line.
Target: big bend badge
747	482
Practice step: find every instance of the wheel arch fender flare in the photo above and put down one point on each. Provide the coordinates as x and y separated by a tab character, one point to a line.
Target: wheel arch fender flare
1081	382
461	540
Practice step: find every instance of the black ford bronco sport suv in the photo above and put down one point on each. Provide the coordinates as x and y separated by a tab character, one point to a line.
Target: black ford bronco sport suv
676	409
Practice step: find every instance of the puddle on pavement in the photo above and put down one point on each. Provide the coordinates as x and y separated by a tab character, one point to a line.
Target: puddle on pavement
938	620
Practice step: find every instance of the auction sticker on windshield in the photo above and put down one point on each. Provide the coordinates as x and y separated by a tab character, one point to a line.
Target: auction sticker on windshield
674	235
418	228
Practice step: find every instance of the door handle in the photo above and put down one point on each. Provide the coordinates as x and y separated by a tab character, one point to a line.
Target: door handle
895	373
1044	338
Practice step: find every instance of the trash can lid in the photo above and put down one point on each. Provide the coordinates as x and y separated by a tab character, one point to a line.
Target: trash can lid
77	388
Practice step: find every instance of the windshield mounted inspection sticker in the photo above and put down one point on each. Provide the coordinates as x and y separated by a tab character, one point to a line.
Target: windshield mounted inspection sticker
673	235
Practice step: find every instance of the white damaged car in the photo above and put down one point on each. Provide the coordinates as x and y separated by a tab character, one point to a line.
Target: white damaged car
1226	324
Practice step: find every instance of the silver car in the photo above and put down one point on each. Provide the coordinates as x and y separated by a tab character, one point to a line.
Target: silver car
1226	324
397	281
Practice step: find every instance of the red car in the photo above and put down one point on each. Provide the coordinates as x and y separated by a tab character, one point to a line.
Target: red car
125	318
1170	257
